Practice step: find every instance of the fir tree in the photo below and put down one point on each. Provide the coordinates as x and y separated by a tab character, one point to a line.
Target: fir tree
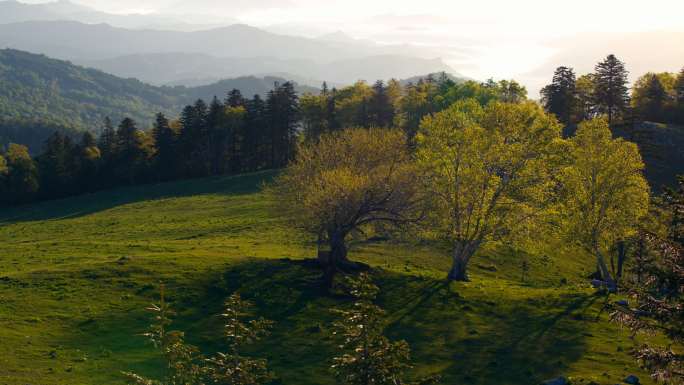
233	367
656	98
380	109
611	92
130	155
367	357
167	156
255	150
235	99
559	97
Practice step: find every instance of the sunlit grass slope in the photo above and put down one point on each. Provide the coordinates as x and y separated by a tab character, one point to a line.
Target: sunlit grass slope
76	274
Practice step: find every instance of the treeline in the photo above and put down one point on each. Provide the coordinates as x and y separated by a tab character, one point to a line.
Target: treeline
230	136
656	97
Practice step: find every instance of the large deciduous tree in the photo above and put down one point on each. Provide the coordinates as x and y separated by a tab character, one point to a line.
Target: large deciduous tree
610	87
490	170
605	191
21	175
346	180
658	293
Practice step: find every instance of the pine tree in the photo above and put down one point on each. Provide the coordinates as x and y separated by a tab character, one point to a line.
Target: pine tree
611	92
380	108
107	142
559	97
656	98
194	139
679	96
235	99
333	123
89	158
130	155
107	145
367	357
233	367
167	156
55	167
256	139
183	361
282	110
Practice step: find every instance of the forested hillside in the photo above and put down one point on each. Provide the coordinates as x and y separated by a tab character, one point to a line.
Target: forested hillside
39	95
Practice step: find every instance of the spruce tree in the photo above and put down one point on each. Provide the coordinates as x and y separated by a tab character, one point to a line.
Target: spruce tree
217	138
167	156
107	141
255	150
611	92
55	166
233	367
679	96
282	109
559	97
130	155
89	158
366	356
235	98
333	123
194	139
656	98
380	109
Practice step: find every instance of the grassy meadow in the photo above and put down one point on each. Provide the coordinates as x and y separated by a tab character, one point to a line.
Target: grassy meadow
76	274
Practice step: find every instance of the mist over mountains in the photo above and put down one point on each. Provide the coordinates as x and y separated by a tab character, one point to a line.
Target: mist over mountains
165	52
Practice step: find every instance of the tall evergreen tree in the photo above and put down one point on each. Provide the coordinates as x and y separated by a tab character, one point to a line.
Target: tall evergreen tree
194	139
56	166
611	92
380	108
679	96
235	98
333	123
217	138
107	142
89	158
559	97
256	139
167	157
655	99
130	155
282	109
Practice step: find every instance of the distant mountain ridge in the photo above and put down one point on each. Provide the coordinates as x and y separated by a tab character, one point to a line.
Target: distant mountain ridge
12	11
163	57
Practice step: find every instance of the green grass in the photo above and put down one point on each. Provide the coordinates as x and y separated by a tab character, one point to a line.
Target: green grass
76	274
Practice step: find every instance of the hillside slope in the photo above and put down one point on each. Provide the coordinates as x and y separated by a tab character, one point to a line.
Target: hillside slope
39	88
75	276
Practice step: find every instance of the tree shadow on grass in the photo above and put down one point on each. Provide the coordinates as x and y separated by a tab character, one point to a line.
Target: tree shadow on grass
82	205
467	337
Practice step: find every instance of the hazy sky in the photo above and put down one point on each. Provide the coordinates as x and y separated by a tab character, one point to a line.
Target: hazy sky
479	38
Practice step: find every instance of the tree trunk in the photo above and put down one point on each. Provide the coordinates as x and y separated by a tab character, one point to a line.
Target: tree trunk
605	273
463	251
622	256
332	260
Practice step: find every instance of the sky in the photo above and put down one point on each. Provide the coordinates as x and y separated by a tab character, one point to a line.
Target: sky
478	38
